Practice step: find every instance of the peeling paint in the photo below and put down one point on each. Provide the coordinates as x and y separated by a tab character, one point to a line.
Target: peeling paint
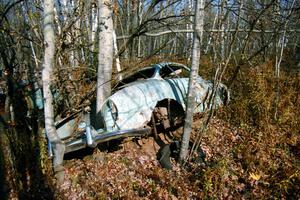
131	107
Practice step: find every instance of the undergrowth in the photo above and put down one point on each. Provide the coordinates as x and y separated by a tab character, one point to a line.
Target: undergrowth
257	155
250	154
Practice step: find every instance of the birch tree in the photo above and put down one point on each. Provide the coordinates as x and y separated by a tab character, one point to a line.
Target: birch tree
93	29
198	31
105	57
49	39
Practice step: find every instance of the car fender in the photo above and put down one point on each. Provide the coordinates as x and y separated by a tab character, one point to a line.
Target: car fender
134	104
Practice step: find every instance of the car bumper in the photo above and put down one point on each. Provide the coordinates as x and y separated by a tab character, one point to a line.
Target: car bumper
92	141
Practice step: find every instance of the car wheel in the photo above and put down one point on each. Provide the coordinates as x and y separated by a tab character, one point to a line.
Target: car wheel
167	152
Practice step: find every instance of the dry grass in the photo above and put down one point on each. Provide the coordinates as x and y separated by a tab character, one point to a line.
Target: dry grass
249	154
256	156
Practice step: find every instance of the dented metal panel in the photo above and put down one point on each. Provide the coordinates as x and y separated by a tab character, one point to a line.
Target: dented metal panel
134	104
127	112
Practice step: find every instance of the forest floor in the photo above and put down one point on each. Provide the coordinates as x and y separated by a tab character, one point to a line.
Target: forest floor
250	152
131	171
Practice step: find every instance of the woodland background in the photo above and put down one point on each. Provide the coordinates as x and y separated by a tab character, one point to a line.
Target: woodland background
252	145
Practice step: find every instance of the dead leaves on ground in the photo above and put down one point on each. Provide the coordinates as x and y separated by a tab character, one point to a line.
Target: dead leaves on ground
239	164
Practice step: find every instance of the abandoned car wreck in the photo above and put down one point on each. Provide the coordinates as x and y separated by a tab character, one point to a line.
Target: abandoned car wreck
154	93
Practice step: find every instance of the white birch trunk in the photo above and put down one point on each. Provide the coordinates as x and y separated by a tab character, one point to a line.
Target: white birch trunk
118	64
128	27
190	27
222	30
198	31
139	16
105	57
94	26
49	38
281	44
210	37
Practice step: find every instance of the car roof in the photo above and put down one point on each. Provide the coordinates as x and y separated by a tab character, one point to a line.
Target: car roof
156	67
165	64
160	66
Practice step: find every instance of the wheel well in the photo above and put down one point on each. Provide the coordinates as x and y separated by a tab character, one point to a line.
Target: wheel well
172	104
169	113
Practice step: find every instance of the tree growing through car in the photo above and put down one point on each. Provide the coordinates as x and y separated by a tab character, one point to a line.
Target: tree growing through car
49	40
198	31
105	55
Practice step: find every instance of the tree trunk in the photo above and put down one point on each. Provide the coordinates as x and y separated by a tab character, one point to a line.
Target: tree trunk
58	146
198	31
189	35
118	64
105	57
94	27
222	28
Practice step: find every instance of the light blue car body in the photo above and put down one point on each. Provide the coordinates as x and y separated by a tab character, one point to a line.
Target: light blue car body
135	103
128	111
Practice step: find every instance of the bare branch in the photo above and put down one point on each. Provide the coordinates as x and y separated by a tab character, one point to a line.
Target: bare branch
210	31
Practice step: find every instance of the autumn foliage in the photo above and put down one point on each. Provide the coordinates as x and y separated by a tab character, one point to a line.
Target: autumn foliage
248	153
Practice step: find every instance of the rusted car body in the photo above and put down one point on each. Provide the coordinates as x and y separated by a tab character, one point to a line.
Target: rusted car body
129	110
